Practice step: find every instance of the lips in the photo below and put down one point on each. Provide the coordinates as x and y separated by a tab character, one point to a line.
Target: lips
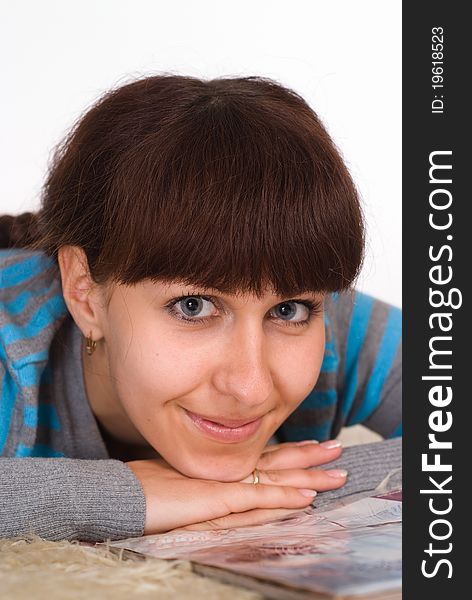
220	432
226	422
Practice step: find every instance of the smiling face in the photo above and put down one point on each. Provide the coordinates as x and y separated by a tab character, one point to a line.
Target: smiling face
166	349
217	356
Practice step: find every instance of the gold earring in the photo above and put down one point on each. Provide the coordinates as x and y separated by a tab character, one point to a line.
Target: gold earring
90	345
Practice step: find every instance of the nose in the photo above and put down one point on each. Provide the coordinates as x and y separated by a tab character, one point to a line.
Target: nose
244	371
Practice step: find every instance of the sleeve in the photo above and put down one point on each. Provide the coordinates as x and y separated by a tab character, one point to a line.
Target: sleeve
370	466
65	498
369	337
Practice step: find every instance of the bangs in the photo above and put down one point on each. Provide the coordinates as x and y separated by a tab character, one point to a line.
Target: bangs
235	197
231	184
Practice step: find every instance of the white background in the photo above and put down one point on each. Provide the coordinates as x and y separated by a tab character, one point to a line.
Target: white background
343	57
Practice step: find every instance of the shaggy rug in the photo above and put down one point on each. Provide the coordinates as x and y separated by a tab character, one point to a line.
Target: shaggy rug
38	569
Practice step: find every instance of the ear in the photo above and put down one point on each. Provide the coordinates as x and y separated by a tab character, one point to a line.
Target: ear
81	294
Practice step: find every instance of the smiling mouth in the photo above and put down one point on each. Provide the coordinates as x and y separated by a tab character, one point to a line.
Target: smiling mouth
230	423
223	433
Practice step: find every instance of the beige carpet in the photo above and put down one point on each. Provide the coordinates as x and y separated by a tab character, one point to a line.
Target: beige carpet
43	570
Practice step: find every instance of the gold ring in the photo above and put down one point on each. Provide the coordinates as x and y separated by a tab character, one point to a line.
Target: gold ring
255	476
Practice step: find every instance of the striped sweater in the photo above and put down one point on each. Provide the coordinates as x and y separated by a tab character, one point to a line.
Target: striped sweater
46	419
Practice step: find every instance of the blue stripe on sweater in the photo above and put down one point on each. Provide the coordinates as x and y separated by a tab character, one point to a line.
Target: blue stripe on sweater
20	302
384	361
298	433
398	432
36	357
29	368
22	271
360	317
43	414
30	375
51	310
38	450
330	358
7	403
317	399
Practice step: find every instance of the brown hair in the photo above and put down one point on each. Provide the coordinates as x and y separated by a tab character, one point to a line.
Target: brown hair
229	183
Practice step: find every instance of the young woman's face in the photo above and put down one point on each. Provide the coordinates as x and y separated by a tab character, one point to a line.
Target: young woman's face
218	356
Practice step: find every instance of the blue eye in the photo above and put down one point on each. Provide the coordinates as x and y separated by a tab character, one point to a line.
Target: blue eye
288	309
189	309
186	308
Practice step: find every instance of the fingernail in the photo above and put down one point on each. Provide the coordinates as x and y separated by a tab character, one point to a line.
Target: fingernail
330	444
337	473
306	442
307	493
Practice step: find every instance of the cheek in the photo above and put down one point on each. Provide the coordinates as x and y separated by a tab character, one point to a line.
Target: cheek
147	373
299	366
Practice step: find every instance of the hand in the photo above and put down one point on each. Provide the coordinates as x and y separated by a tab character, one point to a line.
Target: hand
287	465
174	500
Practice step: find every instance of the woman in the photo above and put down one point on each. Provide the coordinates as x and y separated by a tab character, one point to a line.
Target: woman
181	308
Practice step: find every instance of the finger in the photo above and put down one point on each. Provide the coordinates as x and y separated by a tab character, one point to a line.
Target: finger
314	479
301	456
240	497
257	516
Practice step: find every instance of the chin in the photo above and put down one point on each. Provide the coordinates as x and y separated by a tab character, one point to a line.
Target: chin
224	473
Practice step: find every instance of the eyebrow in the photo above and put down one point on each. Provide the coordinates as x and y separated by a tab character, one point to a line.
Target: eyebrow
216	291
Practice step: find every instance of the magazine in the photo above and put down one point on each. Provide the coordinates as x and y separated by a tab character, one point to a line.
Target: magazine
352	550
